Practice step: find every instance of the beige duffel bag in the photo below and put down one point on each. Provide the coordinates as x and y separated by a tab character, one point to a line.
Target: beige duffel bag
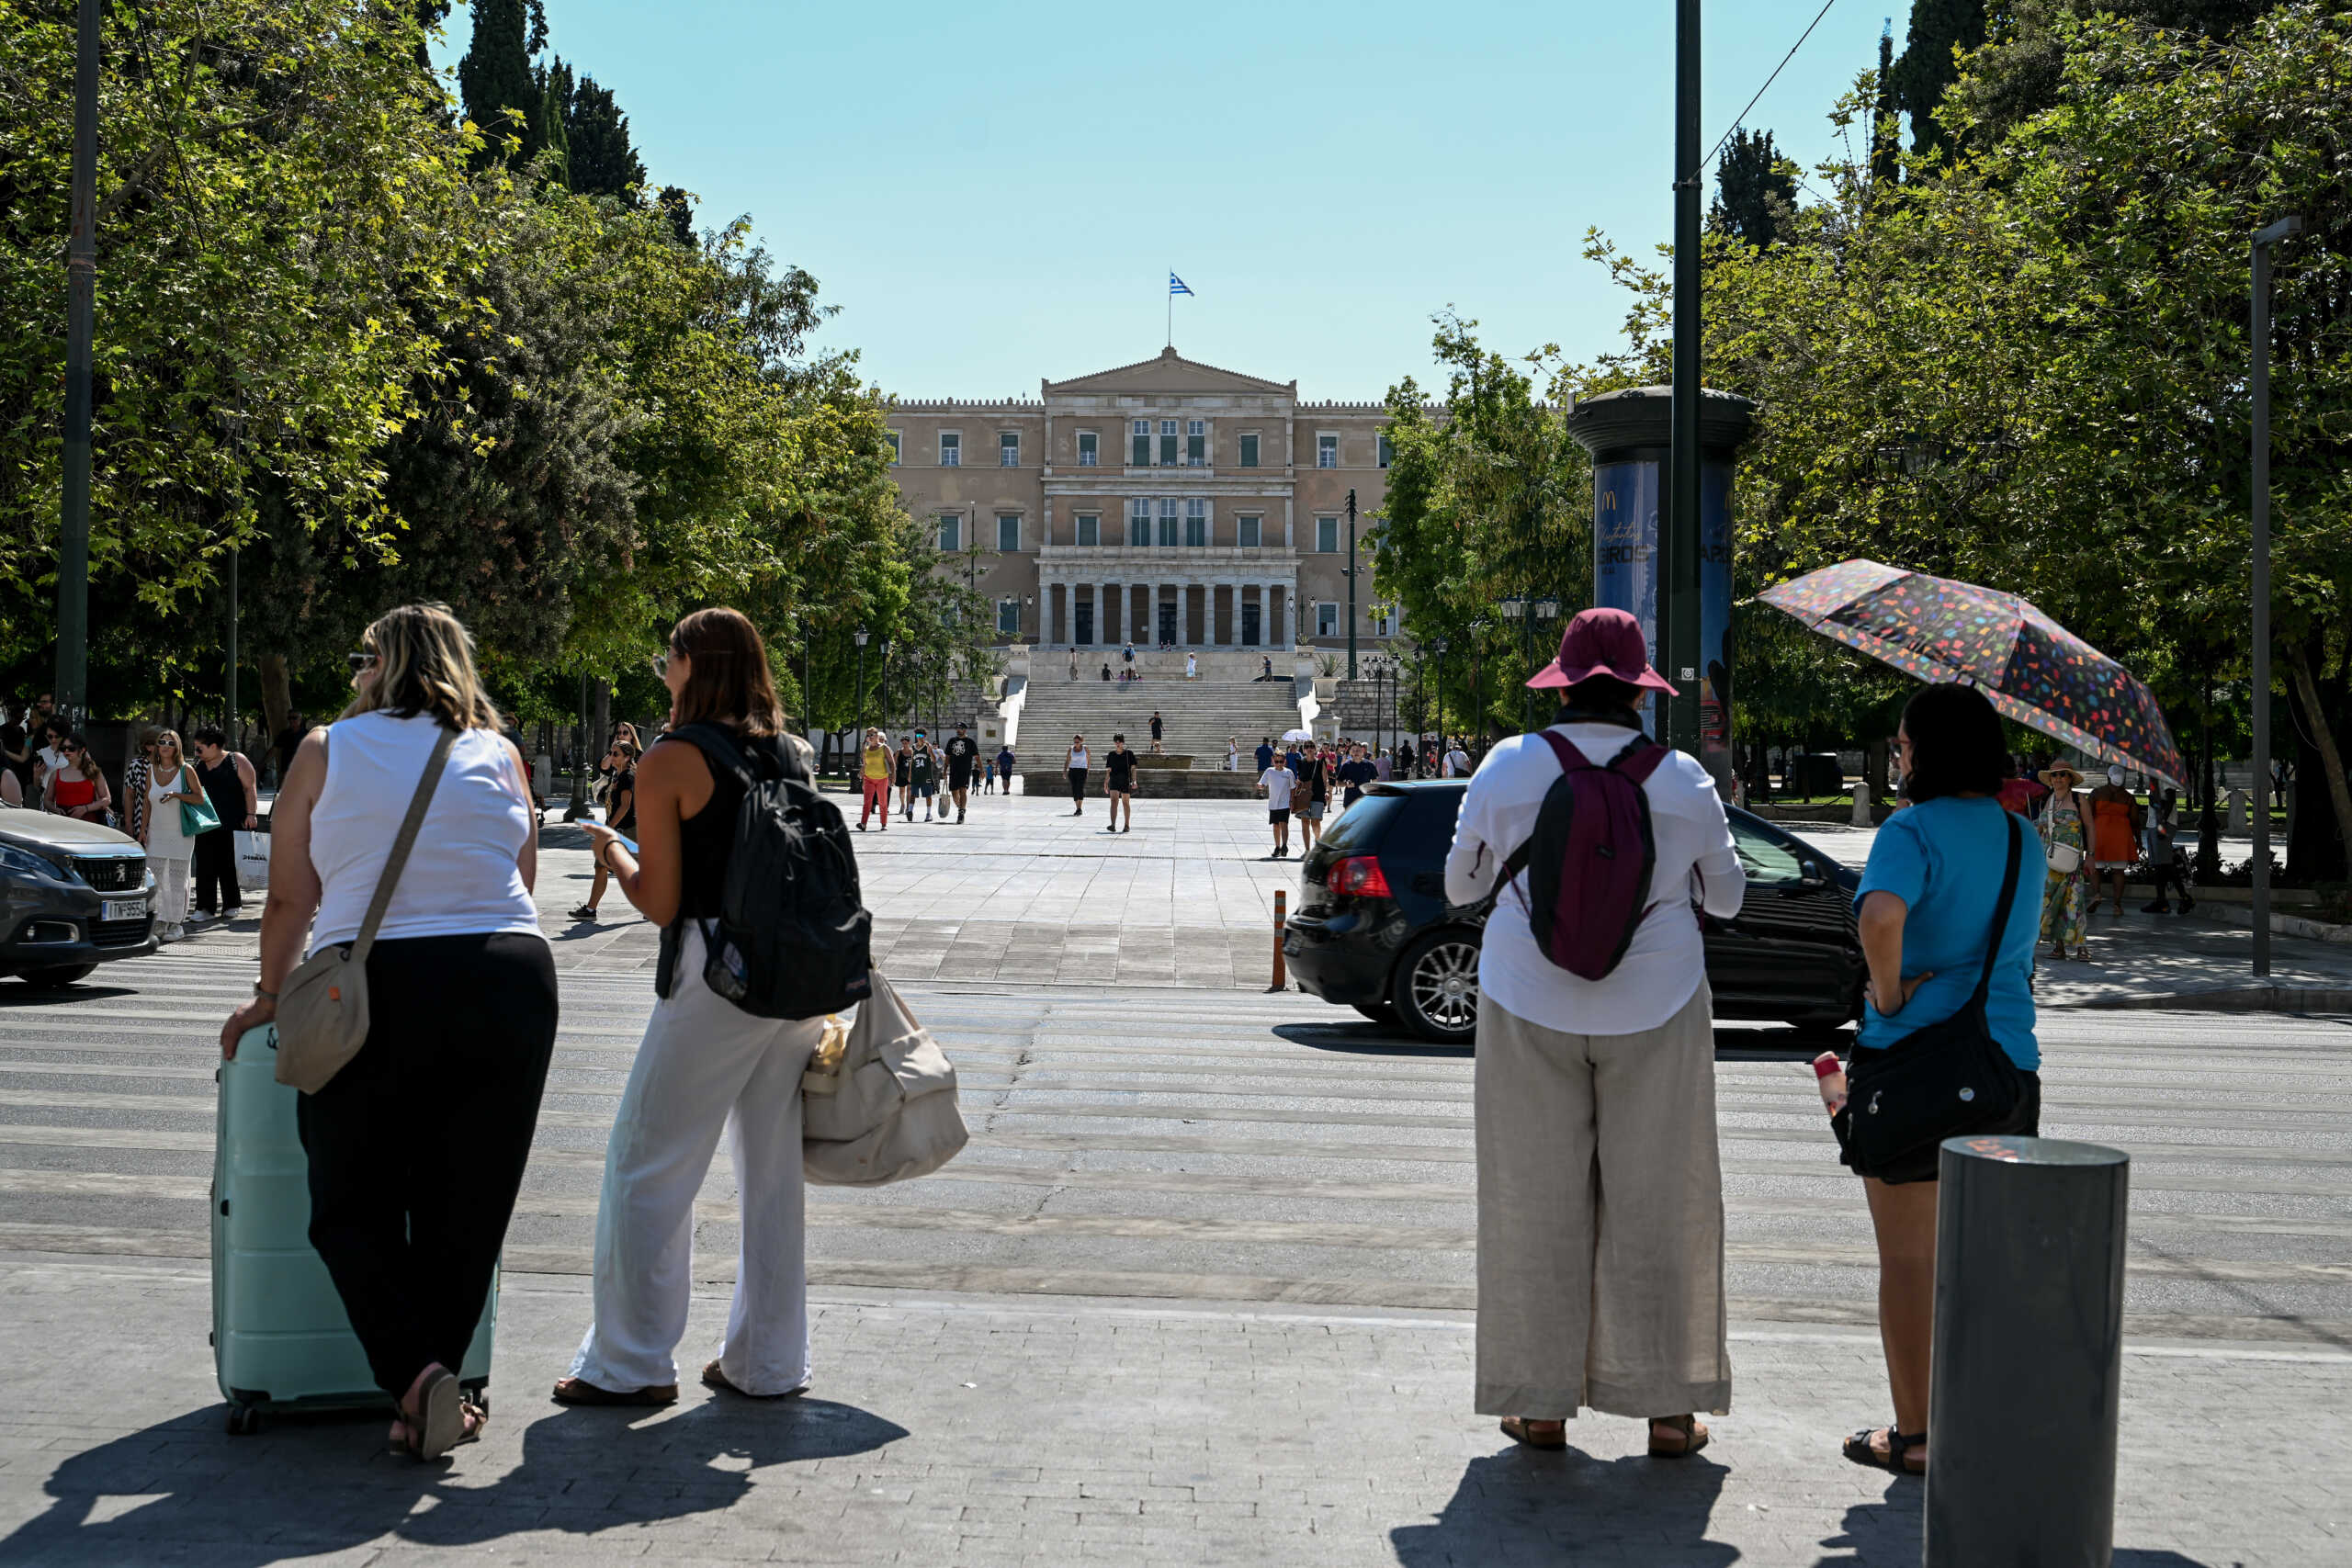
878	1101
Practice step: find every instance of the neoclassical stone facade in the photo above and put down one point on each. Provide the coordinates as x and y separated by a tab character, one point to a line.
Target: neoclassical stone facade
1163	502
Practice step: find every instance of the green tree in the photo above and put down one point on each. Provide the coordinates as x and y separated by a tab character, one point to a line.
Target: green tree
1941	30
602	161
1755	189
548	118
495	75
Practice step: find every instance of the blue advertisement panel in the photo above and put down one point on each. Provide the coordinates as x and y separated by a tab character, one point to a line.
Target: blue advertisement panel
1715	621
1624	545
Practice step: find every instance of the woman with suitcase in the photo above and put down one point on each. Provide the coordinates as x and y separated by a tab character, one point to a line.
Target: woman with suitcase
417	1145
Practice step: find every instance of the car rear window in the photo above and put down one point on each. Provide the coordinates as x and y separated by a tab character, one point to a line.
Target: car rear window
1361	824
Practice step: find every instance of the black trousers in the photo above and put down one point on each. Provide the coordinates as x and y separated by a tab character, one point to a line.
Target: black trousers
1076	784
417	1147
216	871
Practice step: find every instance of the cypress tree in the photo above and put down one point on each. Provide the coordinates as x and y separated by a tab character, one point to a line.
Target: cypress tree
1927	68
1885	131
1751	188
495	74
548	121
602	161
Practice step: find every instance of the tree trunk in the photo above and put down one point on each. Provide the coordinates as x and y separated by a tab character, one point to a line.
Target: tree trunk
1874	768
2319	856
276	696
600	730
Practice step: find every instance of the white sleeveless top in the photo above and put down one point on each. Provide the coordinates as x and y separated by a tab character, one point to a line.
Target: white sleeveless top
461	875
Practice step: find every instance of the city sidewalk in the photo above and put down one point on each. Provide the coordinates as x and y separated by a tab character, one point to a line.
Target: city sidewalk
1054	1431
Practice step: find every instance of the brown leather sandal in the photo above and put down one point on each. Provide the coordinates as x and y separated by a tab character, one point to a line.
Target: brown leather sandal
1520	1429
579	1391
1693	1437
713	1378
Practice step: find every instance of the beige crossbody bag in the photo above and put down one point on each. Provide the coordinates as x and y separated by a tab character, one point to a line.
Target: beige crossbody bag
323	1008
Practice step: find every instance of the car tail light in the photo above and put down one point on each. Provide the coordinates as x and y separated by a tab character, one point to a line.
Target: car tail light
1358	876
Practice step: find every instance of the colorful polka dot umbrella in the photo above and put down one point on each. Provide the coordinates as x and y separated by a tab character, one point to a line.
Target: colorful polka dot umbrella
2032	669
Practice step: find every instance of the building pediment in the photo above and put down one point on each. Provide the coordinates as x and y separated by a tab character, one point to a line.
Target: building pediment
1168	372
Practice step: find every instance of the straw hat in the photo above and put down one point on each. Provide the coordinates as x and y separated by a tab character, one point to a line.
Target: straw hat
2052	775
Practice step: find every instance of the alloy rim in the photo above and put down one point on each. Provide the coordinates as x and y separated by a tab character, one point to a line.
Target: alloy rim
1445	986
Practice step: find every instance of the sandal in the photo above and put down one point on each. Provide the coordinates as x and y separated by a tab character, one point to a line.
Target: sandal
1518	1429
713	1378
585	912
1693	1437
1862	1452
580	1390
438	1423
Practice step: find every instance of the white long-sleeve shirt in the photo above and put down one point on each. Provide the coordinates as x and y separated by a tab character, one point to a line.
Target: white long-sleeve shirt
1665	962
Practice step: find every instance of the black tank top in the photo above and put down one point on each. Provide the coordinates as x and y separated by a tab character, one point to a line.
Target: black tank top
705	839
224	790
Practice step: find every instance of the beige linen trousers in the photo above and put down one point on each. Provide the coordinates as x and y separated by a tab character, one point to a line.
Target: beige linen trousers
1601	1219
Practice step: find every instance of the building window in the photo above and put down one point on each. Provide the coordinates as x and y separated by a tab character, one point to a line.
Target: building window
1249	451
1139	443
1087	454
1196	523
1387	451
1381	626
1007	617
1196	444
1326	618
1168	523
1008	448
950	533
892	437
951	449
1167	443
1090	527
1326	451
1327	536
1246	531
1139	520
1008	532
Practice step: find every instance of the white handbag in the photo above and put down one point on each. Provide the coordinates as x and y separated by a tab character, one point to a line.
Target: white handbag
884	1109
253	858
2064	859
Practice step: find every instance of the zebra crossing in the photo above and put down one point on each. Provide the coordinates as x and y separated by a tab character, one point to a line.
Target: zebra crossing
1181	1145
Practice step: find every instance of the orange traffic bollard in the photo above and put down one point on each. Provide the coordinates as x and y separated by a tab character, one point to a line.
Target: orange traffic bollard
1282	911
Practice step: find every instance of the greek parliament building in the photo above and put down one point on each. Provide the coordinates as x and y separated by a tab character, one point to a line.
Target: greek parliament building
1162	503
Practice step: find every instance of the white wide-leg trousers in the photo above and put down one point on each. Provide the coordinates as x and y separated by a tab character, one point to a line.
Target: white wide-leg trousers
704	1065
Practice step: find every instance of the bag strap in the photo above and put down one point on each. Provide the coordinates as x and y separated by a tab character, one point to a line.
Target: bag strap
398	859
2001	911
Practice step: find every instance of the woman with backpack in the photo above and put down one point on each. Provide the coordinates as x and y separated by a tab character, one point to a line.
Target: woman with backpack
704	1065
1947	910
1596	1060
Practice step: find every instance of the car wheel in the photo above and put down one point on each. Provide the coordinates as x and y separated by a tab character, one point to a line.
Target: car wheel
1381	1012
52	979
1436	988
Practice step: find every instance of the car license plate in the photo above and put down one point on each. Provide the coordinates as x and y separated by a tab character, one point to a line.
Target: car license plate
124	909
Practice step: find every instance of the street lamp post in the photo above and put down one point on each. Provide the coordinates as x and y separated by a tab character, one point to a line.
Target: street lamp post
859	637
1437	645
1677	598
1352	584
1478	678
81	315
2263	241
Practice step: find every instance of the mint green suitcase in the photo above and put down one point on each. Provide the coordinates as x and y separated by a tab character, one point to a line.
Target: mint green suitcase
281	1338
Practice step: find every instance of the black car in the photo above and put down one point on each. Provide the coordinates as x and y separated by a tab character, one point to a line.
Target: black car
73	895
1373	929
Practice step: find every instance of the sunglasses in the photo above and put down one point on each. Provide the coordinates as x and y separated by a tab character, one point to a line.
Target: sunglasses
359	660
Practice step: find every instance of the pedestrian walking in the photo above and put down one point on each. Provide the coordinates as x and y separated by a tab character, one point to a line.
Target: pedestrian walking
1311	802
1947	909
962	751
74	785
1265	755
1279	785
874	765
620	815
1073	666
1074	766
230	784
2065	842
1601	1231
988	775
2115	823
905	775
704	1066
1354	773
417	1145
138	770
1192	668
1004	767
169	784
1127	653
2166	859
1457	759
922	770
1119	784
1155	724
17	761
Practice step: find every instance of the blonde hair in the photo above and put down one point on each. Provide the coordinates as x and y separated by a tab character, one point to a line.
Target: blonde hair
159	739
425	663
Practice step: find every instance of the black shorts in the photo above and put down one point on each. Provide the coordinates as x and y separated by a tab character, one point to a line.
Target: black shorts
1926	1163
1278	814
1120	785
962	780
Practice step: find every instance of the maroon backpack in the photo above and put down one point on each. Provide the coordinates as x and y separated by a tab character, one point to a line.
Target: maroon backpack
1589	861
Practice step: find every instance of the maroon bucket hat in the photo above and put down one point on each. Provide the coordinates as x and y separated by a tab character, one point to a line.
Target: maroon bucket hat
1602	642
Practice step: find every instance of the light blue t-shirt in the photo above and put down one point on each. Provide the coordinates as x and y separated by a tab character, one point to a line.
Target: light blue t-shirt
1943	858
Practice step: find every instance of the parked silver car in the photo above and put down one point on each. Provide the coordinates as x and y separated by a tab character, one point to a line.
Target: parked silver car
73	896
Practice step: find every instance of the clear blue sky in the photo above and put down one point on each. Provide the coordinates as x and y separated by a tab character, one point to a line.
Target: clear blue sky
996	193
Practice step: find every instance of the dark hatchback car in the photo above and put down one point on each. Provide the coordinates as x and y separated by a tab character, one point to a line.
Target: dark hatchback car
73	894
1374	931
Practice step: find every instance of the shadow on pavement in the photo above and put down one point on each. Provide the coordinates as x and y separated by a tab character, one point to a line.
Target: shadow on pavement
19	995
1525	1507
1889	1532
1366	1039
305	1487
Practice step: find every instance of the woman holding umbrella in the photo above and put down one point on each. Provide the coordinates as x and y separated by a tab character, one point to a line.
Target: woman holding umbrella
2065	842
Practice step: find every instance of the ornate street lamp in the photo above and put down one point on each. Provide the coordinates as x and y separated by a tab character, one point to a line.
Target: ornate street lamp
1438	646
859	637
1478	678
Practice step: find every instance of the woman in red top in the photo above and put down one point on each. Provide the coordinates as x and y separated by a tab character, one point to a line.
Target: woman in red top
79	788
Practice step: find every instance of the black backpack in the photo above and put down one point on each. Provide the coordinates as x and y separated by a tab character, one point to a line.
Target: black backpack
793	938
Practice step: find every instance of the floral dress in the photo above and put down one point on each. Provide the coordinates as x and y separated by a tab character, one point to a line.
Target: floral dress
2065	901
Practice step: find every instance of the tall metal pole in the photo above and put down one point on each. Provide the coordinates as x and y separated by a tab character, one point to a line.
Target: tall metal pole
81	312
860	726
2261	389
1677	632
1352	584
230	686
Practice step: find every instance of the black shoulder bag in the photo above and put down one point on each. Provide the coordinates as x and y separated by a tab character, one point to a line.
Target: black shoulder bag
1938	1082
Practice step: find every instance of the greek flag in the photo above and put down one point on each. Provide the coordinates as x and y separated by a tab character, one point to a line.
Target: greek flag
1176	285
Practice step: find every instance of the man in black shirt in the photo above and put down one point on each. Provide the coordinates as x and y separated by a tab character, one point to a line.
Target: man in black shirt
923	774
962	751
1356	773
1155	724
1313	800
1120	786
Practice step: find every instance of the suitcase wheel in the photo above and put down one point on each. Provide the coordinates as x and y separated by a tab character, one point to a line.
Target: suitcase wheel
244	1420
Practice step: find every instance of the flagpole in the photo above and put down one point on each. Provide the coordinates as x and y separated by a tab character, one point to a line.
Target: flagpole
1171	310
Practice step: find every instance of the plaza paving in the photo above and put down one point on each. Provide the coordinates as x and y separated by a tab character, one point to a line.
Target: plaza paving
1199	1292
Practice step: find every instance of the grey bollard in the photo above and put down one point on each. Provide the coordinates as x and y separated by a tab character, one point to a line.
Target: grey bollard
2028	1353
1862	818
